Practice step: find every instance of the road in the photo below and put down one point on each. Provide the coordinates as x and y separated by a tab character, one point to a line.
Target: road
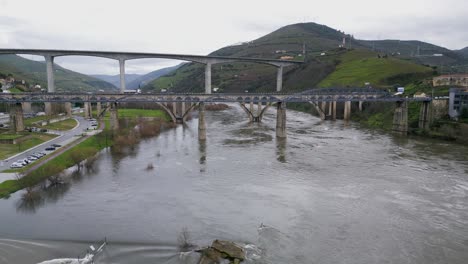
65	138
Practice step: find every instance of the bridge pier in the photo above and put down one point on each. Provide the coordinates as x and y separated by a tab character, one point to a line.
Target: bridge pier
281	120
347	111
26	107
201	122
48	108
258	116
17	117
400	118
87	110
424	116
122	75
98	109
68	109
114	116
333	110
360	106
279	79
50	73
208	78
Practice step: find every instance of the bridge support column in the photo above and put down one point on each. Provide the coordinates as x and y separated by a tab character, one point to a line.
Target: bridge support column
259	109
48	108
26	107
347	111
17	118
208	78
122	75
68	109
330	109
424	118
201	122
333	110
114	117
323	107
50	73
98	109
87	110
400	118
279	79
360	106
281	120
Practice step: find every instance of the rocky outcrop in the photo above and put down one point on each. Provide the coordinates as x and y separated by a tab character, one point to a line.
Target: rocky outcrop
222	251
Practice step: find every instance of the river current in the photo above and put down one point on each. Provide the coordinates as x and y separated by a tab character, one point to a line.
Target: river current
329	193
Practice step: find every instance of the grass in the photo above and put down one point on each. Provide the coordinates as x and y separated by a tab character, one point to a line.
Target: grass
10	136
67	159
64	125
8	150
359	66
30	121
134	113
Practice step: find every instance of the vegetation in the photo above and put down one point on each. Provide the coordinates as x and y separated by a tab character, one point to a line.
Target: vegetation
360	66
64	125
34	72
8	150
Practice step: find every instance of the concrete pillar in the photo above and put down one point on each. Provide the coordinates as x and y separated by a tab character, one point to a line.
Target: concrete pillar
98	109
251	107
279	79
50	74
114	117
259	109
86	110
201	122
281	120
424	116
330	109
208	78
323	107
360	106
347	110
26	107
16	117
122	75
174	108
334	110
182	110
400	118
48	108
68	109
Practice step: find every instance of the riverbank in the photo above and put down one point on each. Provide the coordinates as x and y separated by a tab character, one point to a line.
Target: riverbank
130	132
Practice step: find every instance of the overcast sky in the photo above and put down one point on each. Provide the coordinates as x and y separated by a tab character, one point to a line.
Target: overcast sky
202	26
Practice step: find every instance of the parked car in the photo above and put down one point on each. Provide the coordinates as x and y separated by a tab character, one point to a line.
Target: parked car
16	165
51	148
31	158
56	145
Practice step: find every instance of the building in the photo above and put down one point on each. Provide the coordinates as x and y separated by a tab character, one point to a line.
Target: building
458	99
451	79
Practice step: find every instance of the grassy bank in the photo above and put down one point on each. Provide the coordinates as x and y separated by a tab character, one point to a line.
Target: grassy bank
8	150
64	125
67	159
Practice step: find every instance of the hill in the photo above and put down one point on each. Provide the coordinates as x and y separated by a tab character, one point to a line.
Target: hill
323	58
34	72
143	80
357	67
115	79
463	52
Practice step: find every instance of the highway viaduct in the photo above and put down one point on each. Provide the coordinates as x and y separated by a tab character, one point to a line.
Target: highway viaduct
179	105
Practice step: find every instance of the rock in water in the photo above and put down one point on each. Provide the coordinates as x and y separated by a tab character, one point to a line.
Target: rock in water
232	250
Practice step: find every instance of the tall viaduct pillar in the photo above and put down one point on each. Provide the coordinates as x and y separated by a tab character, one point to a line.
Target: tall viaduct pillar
68	109
281	120
208	78
279	79
87	110
122	75
400	118
98	109
114	116
201	122
26	107
50	81
17	118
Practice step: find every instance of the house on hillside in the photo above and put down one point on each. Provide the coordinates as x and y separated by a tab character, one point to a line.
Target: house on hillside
458	99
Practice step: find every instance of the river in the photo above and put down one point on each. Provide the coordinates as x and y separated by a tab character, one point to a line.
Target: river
330	193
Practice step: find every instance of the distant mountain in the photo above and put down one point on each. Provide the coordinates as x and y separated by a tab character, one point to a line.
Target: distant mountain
143	80
463	52
34	72
115	79
418	51
326	64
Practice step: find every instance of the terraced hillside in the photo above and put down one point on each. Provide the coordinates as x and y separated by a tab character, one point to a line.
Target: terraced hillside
34	72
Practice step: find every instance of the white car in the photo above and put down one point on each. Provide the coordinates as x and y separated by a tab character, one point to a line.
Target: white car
16	165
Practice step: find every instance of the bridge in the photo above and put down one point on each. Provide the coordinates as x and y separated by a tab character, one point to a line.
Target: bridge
179	105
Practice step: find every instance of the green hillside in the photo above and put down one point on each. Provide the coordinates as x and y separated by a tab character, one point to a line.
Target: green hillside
34	72
325	64
360	66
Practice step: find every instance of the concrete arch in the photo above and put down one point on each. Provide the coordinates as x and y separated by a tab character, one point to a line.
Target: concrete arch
168	111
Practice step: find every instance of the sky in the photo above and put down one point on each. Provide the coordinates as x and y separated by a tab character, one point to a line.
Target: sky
202	26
